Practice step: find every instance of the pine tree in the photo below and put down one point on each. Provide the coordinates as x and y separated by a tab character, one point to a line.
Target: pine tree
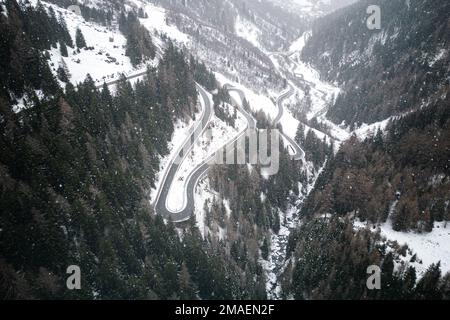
445	287
63	49
265	249
79	39
62	74
300	135
187	289
428	286
64	32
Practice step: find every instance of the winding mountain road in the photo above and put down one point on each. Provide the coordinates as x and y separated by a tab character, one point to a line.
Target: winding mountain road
299	154
161	202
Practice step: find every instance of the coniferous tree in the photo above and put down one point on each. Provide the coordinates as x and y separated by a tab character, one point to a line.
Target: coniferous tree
265	249
79	39
63	49
62	74
64	34
428	287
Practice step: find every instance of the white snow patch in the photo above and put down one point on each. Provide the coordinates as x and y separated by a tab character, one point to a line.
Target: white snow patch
248	31
179	135
226	204
202	194
439	56
430	247
4	10
157	20
105	63
367	130
218	135
257	101
25	102
299	44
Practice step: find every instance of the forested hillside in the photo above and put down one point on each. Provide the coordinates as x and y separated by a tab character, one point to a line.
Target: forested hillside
75	172
329	260
109	119
402	175
24	34
396	178
382	72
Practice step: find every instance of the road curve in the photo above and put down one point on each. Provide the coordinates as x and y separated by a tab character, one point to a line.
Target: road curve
299	154
163	192
184	214
160	205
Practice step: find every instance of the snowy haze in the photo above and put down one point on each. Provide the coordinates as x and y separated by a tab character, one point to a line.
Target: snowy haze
313	8
109	42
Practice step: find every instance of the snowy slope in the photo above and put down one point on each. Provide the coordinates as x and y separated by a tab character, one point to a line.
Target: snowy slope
312	8
248	31
430	247
218	134
104	63
157	21
107	61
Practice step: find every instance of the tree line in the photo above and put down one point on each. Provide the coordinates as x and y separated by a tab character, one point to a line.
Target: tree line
75	173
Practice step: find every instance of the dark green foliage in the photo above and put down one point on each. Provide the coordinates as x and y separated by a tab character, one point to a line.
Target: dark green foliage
331	261
220	108
316	150
98	15
62	75
63	49
202	75
412	160
75	171
428	288
265	249
103	15
139	41
79	39
382	72
22	34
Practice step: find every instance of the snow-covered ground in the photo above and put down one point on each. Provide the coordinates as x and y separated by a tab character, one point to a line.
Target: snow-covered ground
106	62
216	136
248	31
24	102
306	8
429	247
157	20
178	138
258	102
275	263
299	44
367	130
204	194
321	93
